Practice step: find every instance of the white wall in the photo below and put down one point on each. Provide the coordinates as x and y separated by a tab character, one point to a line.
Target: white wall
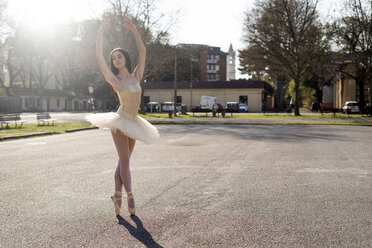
222	95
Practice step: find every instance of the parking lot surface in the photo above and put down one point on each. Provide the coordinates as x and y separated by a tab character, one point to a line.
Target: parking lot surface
198	186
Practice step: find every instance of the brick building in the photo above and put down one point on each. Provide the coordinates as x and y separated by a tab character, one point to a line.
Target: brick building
212	61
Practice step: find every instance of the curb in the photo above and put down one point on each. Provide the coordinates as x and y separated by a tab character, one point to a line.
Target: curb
80	129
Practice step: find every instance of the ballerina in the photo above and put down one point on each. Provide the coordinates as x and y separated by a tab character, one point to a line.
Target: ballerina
125	125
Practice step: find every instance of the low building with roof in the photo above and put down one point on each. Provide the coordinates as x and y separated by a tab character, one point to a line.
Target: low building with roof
39	100
257	94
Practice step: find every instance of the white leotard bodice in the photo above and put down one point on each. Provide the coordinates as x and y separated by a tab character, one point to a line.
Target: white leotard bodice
130	98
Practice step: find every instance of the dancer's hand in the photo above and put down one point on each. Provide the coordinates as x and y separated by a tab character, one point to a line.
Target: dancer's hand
104	25
129	25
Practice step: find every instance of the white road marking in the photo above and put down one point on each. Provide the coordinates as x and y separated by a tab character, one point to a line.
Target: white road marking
36	143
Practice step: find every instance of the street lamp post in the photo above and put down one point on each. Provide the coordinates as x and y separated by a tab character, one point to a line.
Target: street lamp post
91	100
175	86
191	85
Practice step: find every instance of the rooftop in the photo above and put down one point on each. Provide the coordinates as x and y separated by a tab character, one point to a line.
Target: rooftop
233	84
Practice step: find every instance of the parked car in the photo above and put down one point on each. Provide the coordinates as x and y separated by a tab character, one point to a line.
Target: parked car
167	106
153	107
197	108
350	107
232	107
243	107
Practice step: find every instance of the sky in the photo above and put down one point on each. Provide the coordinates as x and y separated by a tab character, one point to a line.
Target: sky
210	22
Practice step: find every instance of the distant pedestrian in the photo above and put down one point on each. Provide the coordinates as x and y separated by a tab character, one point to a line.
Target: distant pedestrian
126	126
368	110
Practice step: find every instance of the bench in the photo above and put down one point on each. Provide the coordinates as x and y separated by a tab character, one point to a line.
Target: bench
8	118
270	110
206	111
43	118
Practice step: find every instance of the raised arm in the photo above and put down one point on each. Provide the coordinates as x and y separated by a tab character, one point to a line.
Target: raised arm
107	73
140	68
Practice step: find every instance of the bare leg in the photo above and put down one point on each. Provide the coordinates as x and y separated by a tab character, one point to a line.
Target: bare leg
124	147
118	182
132	142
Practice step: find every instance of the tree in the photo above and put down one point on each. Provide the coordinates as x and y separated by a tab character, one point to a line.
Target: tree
258	64
3	6
353	35
324	64
286	31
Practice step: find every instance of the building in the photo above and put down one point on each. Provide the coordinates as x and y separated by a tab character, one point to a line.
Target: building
212	61
20	97
49	100
230	67
257	94
344	89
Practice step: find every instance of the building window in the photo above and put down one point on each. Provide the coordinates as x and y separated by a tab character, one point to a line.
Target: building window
57	102
26	102
243	99
38	102
179	99
211	76
217	67
146	99
217	57
217	76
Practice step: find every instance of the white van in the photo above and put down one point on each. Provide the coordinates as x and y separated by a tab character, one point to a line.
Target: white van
208	102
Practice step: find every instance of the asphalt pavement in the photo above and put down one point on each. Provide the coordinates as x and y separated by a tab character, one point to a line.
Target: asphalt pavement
198	186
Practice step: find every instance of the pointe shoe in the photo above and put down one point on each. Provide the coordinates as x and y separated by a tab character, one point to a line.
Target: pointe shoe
115	199
132	211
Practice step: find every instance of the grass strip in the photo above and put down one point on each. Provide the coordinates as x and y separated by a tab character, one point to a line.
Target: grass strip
34	128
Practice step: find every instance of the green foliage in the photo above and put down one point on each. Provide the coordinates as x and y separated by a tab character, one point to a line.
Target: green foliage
268	80
306	94
34	128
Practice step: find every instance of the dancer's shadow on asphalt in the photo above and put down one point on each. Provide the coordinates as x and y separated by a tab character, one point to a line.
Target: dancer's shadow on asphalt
139	232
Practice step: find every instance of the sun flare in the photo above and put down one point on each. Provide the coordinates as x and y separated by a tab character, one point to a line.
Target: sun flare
42	14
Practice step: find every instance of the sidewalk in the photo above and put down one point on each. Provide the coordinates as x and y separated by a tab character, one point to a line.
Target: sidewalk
259	121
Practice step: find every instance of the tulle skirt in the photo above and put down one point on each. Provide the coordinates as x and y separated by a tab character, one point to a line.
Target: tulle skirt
134	127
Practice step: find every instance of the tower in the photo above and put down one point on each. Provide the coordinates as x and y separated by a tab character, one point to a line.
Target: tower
230	66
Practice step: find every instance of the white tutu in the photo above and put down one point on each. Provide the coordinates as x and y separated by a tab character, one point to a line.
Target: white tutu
134	127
